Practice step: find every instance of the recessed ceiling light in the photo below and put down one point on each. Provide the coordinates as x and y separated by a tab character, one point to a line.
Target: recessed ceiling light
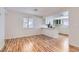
35	9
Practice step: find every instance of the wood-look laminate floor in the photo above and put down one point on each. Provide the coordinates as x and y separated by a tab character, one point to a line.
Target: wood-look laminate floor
37	43
73	48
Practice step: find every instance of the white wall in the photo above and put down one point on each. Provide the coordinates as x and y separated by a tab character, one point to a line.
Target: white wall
14	25
74	26
2	27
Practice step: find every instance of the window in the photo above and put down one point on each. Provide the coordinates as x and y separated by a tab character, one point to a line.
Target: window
25	23
66	22
28	23
58	22
49	20
31	23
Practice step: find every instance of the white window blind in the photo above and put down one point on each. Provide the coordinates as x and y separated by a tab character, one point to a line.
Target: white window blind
25	23
28	23
31	23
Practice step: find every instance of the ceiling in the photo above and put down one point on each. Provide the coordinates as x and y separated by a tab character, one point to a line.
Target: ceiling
42	11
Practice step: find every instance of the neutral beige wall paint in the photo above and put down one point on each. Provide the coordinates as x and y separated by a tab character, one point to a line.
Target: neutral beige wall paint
14	25
74	26
2	27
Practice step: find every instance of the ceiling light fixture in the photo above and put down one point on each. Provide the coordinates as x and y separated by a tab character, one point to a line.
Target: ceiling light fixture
35	9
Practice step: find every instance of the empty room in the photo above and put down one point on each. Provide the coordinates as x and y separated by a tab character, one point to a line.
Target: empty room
34	29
